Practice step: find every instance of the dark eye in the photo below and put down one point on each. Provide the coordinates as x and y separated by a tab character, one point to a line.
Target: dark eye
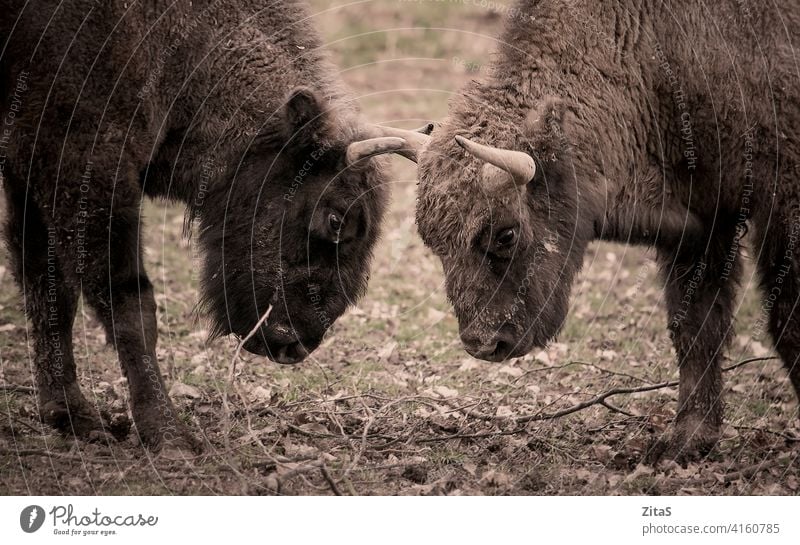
505	238
335	223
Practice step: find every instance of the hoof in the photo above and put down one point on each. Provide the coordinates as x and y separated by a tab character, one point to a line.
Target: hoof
680	449
178	451
101	437
77	418
119	425
161	432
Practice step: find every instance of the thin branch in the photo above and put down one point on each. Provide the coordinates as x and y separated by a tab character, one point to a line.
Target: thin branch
601	398
597	400
235	358
327	476
16	389
52	454
483	435
615	409
745	362
294	472
23	423
755	469
782	435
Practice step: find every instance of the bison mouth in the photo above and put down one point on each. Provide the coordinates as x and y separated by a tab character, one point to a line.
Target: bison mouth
499	351
280	345
496	345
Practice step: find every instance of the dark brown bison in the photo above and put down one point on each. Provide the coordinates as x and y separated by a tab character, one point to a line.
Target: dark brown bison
669	124
229	106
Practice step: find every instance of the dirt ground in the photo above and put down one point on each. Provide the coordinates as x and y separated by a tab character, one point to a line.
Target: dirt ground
391	404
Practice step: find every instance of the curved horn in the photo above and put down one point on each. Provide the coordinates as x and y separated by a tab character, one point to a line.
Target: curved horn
520	165
374	146
416	141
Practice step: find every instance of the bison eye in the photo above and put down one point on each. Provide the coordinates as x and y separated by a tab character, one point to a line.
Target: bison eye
335	223
505	238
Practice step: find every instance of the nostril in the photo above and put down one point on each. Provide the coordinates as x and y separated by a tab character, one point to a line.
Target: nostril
299	351
291	353
502	350
475	346
498	345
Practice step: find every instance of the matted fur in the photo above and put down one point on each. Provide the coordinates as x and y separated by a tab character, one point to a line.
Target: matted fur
229	106
669	124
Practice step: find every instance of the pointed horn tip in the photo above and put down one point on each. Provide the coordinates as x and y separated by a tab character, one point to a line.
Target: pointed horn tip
519	165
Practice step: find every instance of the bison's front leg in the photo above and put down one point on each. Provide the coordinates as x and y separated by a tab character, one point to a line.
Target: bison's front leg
129	316
700	291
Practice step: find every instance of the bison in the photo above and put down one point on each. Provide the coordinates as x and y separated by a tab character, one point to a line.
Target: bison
667	124
228	106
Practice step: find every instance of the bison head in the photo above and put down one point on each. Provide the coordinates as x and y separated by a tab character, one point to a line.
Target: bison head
294	226
499	206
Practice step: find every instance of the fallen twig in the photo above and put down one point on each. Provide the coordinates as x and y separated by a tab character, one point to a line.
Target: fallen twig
782	435
327	476
16	389
51	454
23	423
597	400
481	435
294	472
615	409
584	364
748	360
601	398
755	469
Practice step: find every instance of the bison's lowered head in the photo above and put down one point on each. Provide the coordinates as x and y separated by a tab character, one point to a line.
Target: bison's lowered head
499	205
294	225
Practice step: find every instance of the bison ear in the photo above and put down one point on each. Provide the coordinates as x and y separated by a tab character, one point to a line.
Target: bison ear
305	116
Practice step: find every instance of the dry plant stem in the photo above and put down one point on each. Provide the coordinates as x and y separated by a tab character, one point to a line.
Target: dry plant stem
232	372
235	358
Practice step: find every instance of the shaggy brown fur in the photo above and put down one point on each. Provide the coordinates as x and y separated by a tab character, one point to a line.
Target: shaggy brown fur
671	124
229	106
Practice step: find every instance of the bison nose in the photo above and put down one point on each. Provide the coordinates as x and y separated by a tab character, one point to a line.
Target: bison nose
499	346
289	354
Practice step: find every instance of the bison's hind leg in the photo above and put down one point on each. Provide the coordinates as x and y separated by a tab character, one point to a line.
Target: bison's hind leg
50	304
778	266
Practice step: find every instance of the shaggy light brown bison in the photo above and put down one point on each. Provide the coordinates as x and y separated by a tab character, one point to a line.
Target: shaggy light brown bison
669	124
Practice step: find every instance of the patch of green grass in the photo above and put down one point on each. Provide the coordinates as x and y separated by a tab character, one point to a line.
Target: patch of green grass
444	456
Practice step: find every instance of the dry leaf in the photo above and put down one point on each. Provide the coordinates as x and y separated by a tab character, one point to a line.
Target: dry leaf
180	389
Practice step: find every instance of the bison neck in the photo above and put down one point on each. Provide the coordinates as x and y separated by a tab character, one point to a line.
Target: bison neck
597	57
222	81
